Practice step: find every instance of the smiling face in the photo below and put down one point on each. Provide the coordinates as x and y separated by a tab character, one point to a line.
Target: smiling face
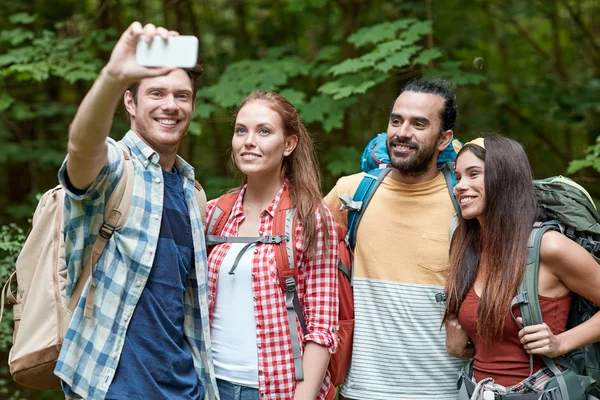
470	185
259	143
162	112
413	134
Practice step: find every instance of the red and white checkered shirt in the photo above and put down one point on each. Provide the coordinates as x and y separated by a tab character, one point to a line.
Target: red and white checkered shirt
317	291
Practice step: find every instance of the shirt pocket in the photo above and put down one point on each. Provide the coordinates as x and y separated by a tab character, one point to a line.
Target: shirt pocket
433	251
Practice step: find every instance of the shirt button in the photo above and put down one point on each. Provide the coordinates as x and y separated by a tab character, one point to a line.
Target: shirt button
255	251
157	180
253	275
138	283
260	233
260	371
156	216
151	251
259	346
255	298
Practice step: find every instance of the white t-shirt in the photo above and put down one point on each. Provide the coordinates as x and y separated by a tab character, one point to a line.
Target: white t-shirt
233	326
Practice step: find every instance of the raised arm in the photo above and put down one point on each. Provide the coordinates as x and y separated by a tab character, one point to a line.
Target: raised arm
87	146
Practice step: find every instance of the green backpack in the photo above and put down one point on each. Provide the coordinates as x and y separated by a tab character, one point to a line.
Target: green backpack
568	208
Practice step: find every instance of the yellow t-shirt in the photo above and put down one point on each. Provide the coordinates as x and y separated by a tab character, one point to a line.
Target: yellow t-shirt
401	260
403	235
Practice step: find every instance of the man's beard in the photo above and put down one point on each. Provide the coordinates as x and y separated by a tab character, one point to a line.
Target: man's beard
418	163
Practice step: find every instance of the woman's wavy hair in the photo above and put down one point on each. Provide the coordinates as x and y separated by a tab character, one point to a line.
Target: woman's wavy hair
496	249
300	168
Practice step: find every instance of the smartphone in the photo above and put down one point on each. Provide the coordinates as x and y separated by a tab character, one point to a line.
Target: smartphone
176	51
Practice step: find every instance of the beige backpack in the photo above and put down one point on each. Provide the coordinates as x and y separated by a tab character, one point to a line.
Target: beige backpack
40	310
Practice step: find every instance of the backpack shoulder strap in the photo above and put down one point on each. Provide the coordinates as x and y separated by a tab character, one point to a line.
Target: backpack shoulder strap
284	223
531	313
116	212
200	199
219	215
359	202
527	292
448	171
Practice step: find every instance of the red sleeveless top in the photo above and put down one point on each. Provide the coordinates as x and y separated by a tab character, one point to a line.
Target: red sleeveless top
505	360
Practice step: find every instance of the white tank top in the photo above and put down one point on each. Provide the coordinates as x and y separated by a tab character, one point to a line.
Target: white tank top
233	326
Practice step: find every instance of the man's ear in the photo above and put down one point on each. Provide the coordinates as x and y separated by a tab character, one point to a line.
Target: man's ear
290	145
445	139
129	103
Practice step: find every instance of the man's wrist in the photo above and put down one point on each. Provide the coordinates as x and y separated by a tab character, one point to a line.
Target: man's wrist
113	80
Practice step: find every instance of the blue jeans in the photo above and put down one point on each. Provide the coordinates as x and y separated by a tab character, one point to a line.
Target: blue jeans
231	391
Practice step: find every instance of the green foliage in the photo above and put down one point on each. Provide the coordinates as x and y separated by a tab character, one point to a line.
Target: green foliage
591	160
451	70
12	238
343	160
67	58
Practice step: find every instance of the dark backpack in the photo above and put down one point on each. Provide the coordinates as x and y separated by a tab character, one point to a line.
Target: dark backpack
569	209
283	237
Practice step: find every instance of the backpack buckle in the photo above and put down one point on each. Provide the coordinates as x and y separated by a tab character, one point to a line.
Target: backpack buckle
290	284
440	297
106	230
273	239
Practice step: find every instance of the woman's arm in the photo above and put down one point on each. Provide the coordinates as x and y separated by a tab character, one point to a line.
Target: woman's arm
580	273
314	365
319	278
457	340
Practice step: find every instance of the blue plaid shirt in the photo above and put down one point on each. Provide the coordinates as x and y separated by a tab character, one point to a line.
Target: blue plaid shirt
90	352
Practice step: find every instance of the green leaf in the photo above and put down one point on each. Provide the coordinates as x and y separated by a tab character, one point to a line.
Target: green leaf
21	111
296	97
328	53
451	70
427	55
22	18
326	111
16	36
195	128
342	160
349	85
398	60
578	165
350	66
380	32
5	101
204	110
416	30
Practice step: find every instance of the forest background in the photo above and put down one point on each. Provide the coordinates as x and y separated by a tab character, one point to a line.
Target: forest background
529	70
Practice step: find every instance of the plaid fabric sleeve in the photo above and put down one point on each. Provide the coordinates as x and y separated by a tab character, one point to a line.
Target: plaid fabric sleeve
321	286
104	182
84	212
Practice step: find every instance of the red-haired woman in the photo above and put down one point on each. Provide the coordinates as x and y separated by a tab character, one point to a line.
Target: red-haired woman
488	257
251	338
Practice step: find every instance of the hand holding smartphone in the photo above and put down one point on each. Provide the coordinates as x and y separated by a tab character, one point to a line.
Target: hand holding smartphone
176	51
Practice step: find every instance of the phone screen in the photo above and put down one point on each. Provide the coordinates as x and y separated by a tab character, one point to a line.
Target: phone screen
176	51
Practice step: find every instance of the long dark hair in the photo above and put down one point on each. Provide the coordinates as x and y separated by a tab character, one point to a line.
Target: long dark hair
300	168
496	250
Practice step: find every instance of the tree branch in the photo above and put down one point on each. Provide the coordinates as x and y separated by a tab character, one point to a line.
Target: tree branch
560	67
538	132
582	26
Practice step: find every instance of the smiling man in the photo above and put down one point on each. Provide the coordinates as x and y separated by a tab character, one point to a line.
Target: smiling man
145	334
401	257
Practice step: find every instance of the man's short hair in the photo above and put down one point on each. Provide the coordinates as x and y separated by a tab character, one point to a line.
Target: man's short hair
439	87
193	73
